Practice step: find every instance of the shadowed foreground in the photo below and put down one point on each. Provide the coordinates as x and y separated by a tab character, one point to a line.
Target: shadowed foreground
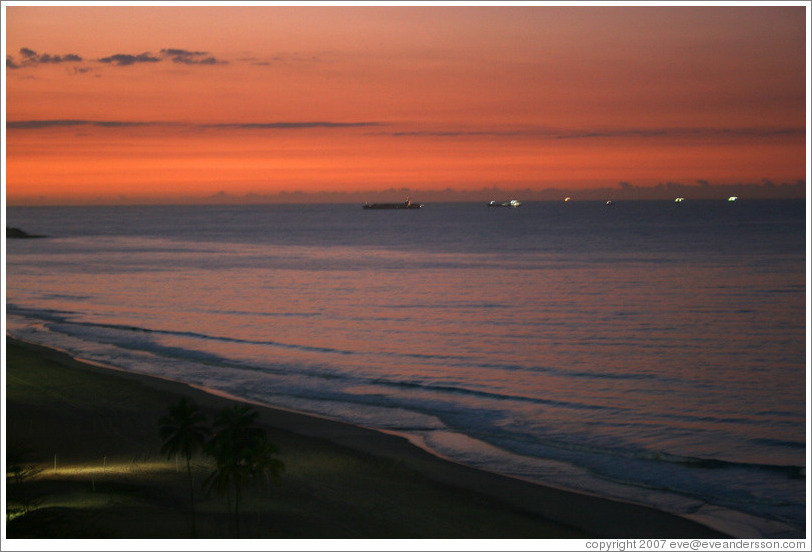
93	434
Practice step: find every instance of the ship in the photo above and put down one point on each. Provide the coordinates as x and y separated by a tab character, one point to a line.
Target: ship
405	205
511	203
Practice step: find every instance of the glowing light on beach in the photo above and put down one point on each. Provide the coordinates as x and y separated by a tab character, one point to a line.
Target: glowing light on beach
732	198
105	467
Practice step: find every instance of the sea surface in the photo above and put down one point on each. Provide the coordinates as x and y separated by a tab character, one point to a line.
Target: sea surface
649	351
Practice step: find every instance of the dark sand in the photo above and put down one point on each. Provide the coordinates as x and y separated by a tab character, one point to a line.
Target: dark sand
341	481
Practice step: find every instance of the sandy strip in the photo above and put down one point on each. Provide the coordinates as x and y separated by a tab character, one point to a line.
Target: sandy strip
342	481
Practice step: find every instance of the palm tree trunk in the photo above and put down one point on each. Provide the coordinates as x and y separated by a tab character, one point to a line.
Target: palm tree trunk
229	517
191	495
237	507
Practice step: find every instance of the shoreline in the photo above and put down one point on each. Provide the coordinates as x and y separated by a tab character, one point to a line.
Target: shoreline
586	515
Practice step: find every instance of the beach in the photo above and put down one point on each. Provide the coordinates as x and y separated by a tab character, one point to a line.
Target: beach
93	431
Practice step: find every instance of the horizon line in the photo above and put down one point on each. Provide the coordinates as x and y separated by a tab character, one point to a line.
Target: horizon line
668	191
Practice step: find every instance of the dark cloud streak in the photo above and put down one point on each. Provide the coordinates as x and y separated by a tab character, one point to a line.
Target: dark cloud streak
66	123
63	123
559	134
127	59
192	61
539	133
31	57
46	58
189	57
177	55
291	125
179	52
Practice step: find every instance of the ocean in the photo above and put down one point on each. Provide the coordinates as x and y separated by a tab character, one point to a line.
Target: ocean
649	351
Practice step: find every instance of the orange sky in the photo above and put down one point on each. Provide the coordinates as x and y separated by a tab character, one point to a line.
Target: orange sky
115	103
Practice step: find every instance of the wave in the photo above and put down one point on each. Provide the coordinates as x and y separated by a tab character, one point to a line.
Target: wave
61	321
604	456
445	360
792	472
267	314
64	317
446	389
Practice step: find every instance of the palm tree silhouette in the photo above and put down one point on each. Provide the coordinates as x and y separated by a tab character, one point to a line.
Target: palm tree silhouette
183	431
242	454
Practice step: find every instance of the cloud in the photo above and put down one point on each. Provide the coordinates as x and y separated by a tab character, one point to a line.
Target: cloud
687	133
31	57
67	123
286	58
46	58
694	134
291	125
188	57
61	123
182	53
176	55
566	134
255	61
127	59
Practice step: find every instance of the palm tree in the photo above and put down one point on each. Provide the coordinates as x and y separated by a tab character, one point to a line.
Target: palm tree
183	431
18	474
265	467
242	454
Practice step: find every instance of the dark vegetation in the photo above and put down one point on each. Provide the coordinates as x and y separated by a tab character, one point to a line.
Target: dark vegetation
243	455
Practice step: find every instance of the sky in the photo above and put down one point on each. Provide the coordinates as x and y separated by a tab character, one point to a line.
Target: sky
162	103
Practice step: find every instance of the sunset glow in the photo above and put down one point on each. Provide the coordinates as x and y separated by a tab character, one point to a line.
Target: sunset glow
186	103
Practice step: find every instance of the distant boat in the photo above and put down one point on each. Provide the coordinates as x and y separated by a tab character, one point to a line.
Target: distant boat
567	199
610	203
733	198
511	203
679	200
405	205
